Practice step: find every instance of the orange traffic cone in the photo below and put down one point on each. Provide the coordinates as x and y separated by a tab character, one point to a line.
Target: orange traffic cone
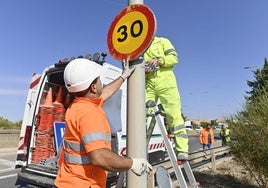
48	101
59	99
59	110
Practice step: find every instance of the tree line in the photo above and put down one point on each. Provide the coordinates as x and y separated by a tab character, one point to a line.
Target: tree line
6	124
250	128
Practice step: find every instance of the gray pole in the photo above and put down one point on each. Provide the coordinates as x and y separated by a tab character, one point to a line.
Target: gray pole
136	124
130	2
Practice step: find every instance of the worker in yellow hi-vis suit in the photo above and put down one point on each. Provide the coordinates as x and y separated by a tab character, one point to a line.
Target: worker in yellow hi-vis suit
160	58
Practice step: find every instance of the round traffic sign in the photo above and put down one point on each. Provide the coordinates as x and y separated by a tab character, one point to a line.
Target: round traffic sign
131	32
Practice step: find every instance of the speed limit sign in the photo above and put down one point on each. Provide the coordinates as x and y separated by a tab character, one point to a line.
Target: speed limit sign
131	32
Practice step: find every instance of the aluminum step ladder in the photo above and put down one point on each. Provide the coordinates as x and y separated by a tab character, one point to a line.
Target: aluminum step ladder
177	165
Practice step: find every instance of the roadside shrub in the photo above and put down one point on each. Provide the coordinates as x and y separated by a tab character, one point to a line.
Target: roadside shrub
6	124
250	146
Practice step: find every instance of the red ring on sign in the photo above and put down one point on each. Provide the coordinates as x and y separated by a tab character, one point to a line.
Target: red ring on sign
147	41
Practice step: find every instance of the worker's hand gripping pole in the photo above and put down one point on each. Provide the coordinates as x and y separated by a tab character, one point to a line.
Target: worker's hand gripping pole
127	69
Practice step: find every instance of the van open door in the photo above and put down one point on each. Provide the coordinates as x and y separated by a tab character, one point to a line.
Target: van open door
27	121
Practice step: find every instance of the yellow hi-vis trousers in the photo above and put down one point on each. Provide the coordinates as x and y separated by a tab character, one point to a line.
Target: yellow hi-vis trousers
164	88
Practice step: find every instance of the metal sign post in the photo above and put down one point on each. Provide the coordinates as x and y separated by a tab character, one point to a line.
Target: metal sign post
136	128
130	34
136	125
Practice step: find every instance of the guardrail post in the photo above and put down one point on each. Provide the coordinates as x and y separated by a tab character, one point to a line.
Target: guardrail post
213	160
150	182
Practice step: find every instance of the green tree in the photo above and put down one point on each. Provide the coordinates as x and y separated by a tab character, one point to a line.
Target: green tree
250	128
250	146
17	124
204	124
6	124
259	86
184	117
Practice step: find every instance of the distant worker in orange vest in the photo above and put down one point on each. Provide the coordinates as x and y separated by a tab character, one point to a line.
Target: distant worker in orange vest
87	140
206	137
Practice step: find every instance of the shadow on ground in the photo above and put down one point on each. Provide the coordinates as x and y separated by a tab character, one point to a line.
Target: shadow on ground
220	181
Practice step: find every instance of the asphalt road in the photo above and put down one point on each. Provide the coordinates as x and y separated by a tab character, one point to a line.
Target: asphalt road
8	173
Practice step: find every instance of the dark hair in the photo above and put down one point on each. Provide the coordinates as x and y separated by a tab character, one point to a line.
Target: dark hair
94	81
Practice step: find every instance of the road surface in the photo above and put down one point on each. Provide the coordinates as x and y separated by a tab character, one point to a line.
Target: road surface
8	173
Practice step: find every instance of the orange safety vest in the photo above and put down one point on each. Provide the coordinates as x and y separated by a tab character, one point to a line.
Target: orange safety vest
87	129
204	136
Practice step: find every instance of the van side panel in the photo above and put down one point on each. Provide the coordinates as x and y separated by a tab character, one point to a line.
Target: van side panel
27	120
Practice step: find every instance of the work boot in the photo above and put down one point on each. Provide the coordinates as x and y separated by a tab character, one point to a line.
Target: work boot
182	156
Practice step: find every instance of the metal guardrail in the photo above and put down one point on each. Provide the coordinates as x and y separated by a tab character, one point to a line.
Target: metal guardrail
9	131
196	159
201	158
213	155
9	138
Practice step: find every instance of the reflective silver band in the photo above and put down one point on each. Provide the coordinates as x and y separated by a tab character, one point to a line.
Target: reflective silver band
74	146
181	135
176	128
79	147
168	51
74	159
96	136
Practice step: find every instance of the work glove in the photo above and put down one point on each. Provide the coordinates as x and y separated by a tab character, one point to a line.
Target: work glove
127	70
140	166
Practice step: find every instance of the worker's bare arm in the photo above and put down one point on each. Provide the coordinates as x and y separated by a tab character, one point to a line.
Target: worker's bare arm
111	88
109	160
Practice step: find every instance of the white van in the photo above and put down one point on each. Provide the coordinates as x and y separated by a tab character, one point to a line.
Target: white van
43	124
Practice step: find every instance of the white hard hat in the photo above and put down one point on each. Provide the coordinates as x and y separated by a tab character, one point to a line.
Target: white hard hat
80	73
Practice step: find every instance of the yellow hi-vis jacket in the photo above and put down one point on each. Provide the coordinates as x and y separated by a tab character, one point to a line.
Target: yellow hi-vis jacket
161	85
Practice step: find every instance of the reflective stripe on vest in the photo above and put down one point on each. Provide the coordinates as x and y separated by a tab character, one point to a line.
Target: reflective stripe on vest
168	51
79	147
96	136
74	146
181	135
74	159
176	128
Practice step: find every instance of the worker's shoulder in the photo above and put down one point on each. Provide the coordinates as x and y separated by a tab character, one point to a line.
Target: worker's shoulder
161	38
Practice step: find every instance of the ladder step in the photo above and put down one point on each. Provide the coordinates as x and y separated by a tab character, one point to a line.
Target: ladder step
171	153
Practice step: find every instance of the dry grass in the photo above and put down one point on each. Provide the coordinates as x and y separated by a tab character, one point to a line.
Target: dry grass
229	174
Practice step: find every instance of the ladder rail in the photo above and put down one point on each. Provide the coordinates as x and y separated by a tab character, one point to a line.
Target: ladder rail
171	153
150	129
189	174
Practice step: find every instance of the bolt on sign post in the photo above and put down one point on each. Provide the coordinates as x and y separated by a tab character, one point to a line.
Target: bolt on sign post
129	35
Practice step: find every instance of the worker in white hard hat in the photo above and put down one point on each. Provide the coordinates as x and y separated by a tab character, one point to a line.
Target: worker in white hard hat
87	140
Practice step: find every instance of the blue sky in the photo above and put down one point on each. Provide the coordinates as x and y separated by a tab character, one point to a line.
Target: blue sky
215	40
